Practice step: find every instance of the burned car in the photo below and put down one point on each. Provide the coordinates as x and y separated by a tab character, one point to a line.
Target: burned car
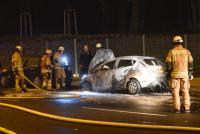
131	73
32	72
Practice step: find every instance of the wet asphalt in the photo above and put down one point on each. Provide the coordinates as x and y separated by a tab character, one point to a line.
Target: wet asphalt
146	108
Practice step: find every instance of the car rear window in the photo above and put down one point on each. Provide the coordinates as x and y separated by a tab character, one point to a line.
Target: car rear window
125	63
151	62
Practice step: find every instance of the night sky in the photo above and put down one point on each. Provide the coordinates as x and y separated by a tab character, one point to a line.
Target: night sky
104	16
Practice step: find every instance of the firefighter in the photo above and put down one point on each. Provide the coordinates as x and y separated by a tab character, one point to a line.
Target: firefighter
99	46
46	71
60	75
179	63
17	67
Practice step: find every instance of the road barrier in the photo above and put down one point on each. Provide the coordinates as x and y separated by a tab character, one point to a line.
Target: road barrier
102	123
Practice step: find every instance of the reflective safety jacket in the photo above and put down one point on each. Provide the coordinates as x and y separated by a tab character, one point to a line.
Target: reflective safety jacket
45	62
57	60
179	58
17	62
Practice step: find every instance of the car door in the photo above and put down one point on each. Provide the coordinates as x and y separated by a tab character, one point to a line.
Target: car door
124	66
103	77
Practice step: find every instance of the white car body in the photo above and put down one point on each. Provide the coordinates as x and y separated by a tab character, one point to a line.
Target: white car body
116	73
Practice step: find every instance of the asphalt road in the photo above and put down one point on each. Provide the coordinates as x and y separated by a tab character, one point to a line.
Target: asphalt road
151	108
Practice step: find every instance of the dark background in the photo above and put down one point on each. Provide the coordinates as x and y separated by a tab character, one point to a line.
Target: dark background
104	16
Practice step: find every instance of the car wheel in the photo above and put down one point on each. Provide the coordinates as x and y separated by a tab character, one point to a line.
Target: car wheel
86	86
4	81
37	81
133	87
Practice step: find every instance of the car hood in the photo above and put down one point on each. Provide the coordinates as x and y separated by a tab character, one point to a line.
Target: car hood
101	55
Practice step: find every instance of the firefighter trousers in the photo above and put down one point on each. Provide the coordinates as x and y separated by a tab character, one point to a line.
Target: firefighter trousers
183	85
19	81
46	76
60	77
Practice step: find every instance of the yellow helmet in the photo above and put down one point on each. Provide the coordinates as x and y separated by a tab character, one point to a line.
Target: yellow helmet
61	48
98	45
177	39
19	47
48	51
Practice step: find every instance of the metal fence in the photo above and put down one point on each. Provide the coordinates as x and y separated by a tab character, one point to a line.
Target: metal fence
147	45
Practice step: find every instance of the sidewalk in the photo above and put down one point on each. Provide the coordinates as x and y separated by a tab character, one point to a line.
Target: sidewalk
37	94
195	84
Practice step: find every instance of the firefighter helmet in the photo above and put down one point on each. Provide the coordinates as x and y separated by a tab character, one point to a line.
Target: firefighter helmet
98	45
19	47
177	39
48	51
61	48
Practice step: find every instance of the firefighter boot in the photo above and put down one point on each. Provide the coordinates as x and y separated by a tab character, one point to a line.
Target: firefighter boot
44	84
17	87
49	86
63	83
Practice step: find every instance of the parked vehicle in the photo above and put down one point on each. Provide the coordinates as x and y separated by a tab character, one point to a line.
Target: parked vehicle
131	73
32	72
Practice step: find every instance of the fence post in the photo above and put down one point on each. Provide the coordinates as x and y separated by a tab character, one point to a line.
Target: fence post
46	44
107	43
185	38
143	45
75	56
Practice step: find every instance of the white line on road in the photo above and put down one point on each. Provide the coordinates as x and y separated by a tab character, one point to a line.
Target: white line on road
119	111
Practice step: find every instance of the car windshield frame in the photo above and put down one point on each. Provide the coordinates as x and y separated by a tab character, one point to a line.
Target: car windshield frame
133	61
152	62
114	65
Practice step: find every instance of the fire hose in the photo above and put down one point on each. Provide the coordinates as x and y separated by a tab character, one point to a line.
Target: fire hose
37	87
6	131
102	123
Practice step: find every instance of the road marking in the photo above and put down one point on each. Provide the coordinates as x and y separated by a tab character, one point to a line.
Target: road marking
130	112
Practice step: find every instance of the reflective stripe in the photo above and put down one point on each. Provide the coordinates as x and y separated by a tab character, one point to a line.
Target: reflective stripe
179	74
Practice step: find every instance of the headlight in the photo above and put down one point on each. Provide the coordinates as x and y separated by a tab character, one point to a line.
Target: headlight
64	60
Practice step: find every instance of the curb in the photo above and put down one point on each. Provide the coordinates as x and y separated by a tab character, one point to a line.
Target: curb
62	96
